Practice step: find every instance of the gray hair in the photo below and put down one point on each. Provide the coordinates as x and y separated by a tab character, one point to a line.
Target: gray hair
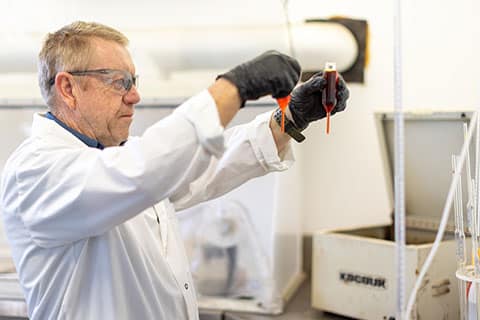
70	49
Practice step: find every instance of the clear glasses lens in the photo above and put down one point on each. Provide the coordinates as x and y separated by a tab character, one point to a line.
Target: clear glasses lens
121	80
125	82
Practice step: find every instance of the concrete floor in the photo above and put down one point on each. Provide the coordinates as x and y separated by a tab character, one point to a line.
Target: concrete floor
299	308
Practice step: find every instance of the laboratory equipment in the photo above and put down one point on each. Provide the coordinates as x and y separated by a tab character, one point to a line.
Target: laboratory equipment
453	188
468	271
329	99
353	273
223	248
460	238
465	272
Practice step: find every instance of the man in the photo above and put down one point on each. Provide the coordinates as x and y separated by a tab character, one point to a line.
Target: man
89	212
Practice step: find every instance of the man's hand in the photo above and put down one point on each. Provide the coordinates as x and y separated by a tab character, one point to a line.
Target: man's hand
271	73
306	100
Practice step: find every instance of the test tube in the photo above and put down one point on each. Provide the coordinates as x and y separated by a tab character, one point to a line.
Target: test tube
460	241
329	95
470	205
459	228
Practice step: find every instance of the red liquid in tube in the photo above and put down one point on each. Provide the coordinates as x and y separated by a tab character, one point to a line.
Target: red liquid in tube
329	96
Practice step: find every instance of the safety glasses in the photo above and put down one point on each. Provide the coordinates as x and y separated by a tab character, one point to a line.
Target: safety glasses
120	80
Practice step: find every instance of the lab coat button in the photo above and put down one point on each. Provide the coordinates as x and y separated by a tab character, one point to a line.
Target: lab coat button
186	286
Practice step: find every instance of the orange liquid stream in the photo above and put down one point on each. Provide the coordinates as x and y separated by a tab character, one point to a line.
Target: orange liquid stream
283	103
328	110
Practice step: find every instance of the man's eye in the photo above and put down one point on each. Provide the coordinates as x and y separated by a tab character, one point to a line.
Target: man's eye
118	84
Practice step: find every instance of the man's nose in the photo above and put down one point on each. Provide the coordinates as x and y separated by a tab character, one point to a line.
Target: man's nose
132	96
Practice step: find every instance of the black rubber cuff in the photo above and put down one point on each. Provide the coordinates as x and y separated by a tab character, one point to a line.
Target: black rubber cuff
290	127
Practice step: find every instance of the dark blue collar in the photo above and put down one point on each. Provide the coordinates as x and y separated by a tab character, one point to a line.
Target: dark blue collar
87	140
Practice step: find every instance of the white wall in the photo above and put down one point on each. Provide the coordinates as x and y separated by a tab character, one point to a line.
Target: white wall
344	182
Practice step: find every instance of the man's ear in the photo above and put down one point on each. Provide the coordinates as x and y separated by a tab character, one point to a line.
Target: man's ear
66	88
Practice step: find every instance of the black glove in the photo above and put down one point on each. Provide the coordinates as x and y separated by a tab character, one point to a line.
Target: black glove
306	100
270	73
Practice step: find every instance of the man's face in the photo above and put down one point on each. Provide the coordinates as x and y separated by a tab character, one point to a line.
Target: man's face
105	109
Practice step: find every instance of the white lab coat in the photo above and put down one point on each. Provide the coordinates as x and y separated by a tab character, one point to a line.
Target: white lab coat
82	222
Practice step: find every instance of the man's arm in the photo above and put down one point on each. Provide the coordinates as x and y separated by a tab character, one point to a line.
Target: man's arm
271	73
228	101
250	152
227	98
259	147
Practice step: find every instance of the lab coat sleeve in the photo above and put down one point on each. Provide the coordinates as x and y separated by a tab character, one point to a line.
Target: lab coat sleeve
250	152
64	193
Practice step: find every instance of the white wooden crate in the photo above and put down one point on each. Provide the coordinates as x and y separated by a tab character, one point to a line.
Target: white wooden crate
355	275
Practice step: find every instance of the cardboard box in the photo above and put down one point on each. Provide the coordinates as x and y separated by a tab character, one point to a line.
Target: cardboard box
354	271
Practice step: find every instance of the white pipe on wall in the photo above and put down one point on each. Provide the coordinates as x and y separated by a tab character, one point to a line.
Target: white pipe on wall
204	48
177	62
220	48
